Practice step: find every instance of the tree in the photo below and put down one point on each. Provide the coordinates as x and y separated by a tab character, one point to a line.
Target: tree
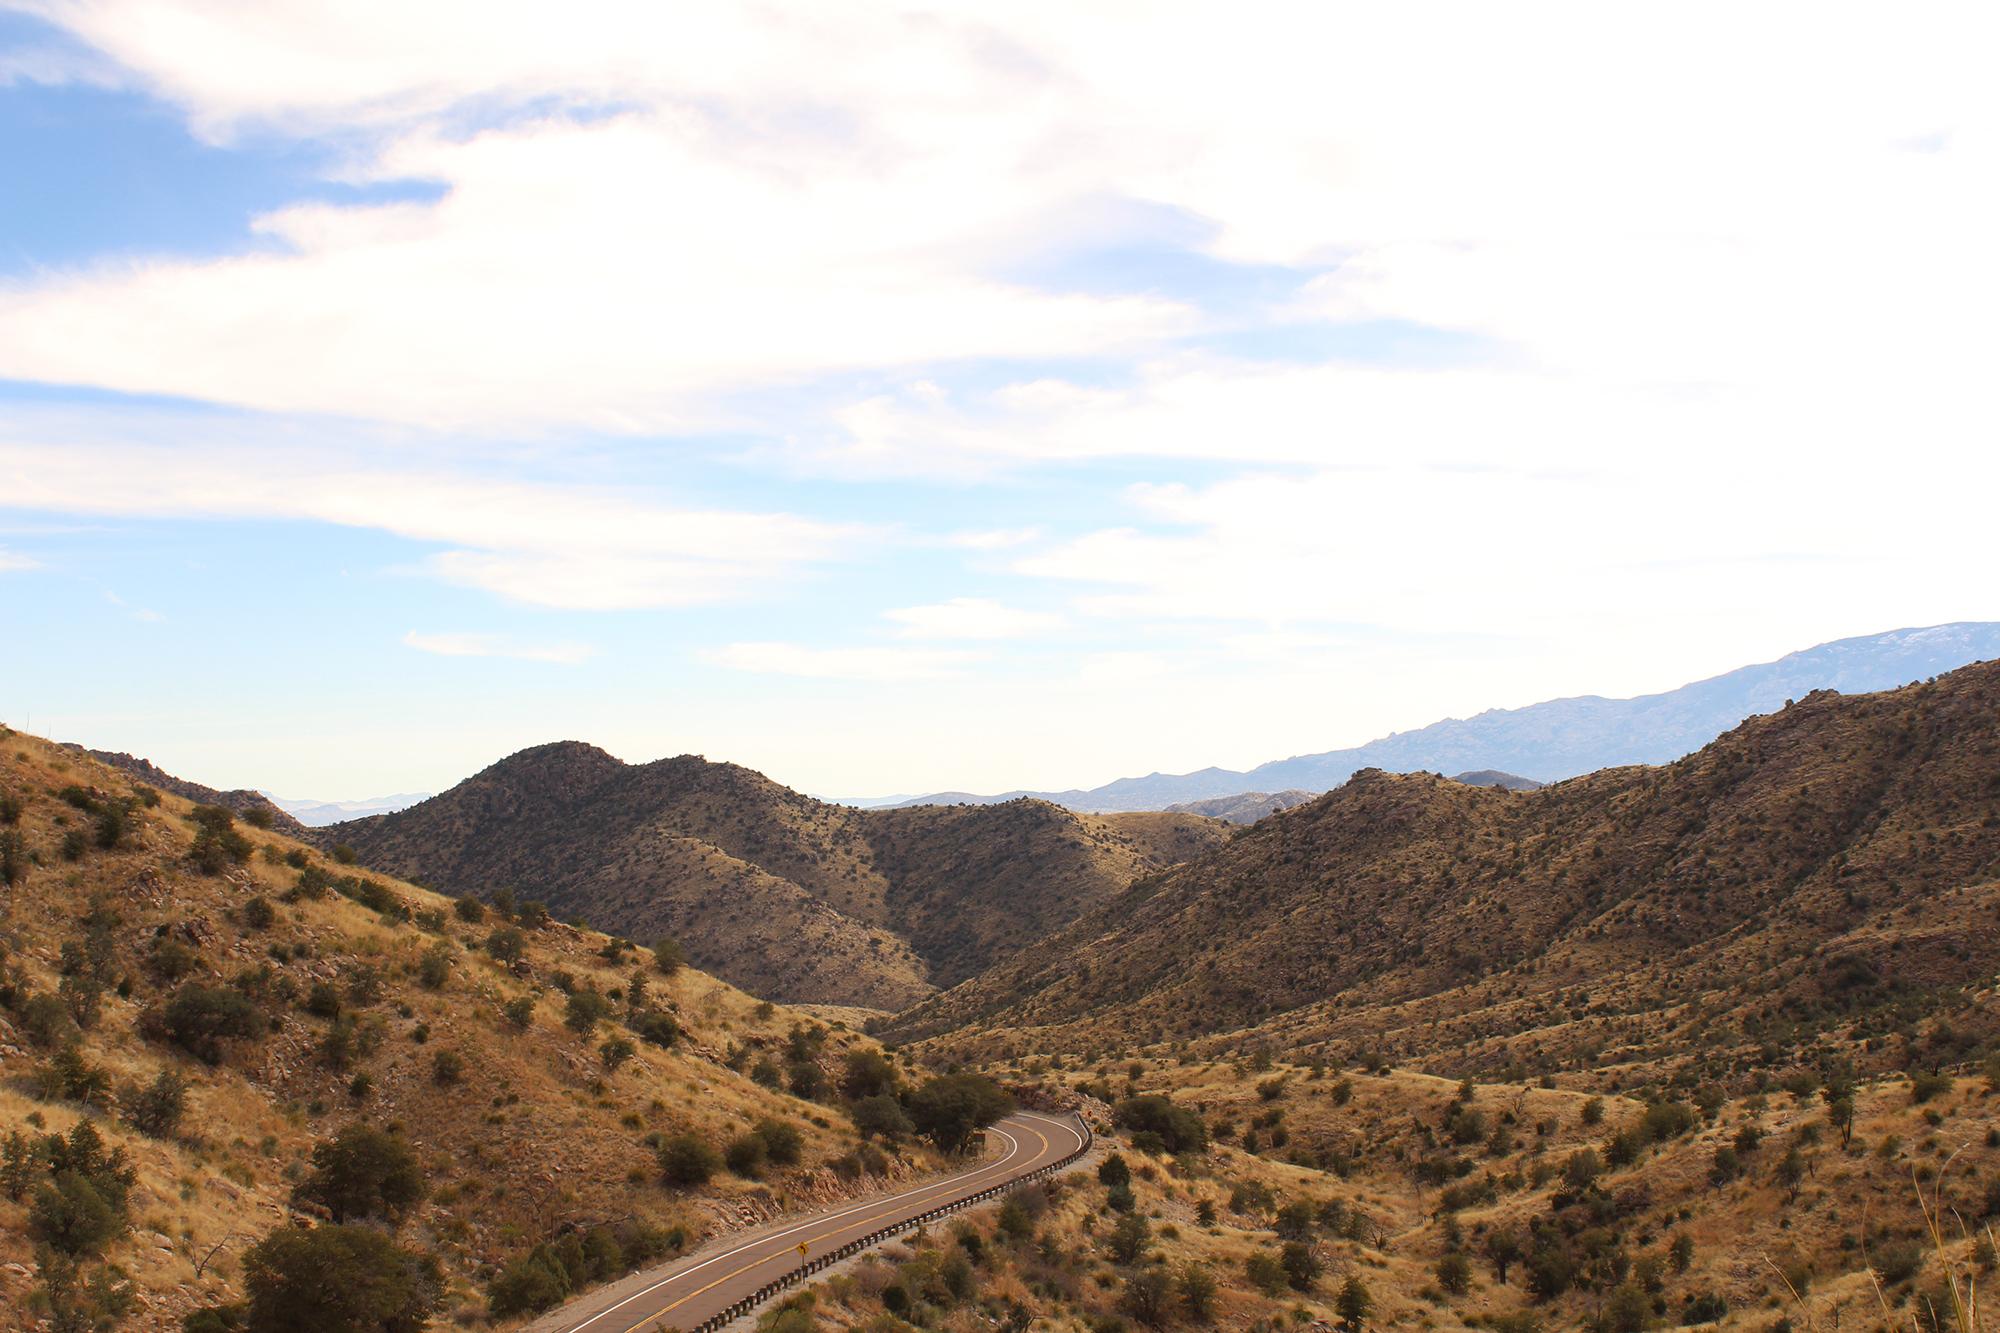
668	955
71	1216
1503	1247
1112	1171
1265	1272
337	1279
1302	1266
1180	1130
1147	1297
616	1052
1792	1174
78	1301
1197	1291
156	1110
434	968
882	1116
951	1108
1353	1305
686	1160
805	1079
202	1019
506	944
586	1008
1840	1110
1454	1273
362	1173
1295	1221
1128	1238
867	1074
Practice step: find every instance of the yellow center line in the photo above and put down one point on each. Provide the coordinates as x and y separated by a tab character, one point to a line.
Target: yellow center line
759	1263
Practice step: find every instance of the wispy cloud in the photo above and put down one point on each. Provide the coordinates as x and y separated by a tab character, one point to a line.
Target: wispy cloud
871	664
970	618
499	645
12	561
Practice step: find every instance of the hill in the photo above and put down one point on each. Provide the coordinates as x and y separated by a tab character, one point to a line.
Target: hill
253	805
533	1073
773	890
1246	808
1827	872
1567	737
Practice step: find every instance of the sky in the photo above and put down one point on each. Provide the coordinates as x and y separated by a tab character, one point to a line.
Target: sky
897	398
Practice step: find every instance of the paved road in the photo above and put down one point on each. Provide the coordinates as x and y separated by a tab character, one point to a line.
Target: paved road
684	1293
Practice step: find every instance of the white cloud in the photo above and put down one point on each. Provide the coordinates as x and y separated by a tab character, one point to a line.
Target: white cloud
543	543
865	664
971	618
994	539
498	645
12	561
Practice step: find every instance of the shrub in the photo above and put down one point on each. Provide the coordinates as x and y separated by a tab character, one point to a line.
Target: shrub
364	1173
434	968
1113	1171
745	1155
343	854
507	944
668	955
783	1143
1926	1084
47	1022
1179	1129
201	1020
686	1160
867	1074
258	914
338	1278
1454	1273
1265	1273
805	1079
585	1009
655	1026
447	1068
1302	1266
71	1216
616	1052
156	1110
883	1116
469	909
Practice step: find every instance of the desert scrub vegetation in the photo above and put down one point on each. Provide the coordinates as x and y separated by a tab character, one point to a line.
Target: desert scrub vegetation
282	1035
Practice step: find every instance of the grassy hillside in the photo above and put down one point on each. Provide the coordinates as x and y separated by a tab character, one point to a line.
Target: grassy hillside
1831	871
534	1071
786	895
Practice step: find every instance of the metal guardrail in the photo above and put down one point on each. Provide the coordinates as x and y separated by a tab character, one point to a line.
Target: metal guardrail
876	1237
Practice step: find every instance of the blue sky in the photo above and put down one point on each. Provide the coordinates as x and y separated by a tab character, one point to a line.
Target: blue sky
900	402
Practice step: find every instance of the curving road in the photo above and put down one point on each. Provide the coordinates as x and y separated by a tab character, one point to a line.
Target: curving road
696	1288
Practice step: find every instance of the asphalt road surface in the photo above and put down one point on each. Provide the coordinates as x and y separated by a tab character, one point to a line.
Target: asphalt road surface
682	1294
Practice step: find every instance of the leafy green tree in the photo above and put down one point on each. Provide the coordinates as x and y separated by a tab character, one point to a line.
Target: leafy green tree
745	1155
1454	1273
1503	1248
668	955
363	1173
1265	1272
337	1279
950	1109
881	1116
867	1073
585	1009
70	1216
1113	1171
783	1143
80	1300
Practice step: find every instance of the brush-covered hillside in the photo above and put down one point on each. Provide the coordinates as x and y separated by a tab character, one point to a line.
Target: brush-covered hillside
1255	1195
777	892
1833	868
207	1028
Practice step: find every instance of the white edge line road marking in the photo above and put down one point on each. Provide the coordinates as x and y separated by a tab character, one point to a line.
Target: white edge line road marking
1014	1148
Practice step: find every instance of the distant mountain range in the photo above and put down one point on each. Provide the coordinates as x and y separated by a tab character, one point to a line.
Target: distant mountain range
318	814
1562	738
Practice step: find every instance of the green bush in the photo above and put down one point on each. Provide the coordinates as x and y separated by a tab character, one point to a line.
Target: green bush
951	1108
1179	1129
201	1020
156	1110
686	1160
783	1143
883	1116
333	1279
364	1173
745	1155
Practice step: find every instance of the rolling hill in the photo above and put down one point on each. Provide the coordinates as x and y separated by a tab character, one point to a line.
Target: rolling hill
1832	866
773	890
147	944
1566	737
